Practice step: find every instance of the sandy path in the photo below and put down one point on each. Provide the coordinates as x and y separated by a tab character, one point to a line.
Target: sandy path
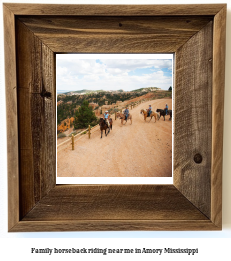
140	149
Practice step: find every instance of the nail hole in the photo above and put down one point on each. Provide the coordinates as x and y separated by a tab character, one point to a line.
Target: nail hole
120	24
198	158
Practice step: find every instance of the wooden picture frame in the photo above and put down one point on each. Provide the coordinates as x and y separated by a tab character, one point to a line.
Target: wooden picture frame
33	34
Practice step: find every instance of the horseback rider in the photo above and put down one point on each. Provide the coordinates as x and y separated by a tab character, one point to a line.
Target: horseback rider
106	118
149	110
126	112
166	109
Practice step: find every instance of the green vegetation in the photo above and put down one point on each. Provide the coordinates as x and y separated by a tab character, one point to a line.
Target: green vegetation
71	103
84	116
62	135
146	89
64	111
75	132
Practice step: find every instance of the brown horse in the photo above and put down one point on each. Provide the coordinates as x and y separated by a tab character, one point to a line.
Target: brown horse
122	117
153	114
103	126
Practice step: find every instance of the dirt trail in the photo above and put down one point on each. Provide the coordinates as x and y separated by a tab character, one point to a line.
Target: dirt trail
140	149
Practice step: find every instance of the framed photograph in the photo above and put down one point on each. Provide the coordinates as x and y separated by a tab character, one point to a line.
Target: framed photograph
34	34
131	90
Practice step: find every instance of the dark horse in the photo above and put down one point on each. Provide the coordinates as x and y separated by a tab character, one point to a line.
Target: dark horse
103	126
163	113
170	114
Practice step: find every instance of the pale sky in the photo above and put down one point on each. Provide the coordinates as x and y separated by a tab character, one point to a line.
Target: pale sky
113	71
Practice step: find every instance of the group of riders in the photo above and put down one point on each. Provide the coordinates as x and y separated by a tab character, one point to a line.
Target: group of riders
149	110
126	113
106	116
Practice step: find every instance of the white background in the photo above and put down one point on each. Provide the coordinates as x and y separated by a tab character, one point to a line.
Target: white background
210	243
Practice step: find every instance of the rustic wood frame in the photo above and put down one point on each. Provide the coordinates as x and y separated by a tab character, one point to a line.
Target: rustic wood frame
32	35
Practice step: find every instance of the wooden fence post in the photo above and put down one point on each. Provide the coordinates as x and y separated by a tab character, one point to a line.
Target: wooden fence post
89	131
73	142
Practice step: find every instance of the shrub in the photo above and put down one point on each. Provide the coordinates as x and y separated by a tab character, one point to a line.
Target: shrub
84	116
70	135
62	135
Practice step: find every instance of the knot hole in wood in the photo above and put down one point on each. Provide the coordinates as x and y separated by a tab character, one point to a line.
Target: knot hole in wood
198	158
45	94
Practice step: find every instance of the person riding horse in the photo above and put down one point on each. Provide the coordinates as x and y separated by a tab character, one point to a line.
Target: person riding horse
106	118
126	112
149	110
166	109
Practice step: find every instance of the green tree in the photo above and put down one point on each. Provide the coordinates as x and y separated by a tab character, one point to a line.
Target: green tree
170	88
84	116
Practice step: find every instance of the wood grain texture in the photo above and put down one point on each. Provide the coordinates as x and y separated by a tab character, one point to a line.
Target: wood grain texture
108	202
195	202
114	225
48	168
218	114
114	207
115	10
28	168
115	34
77	25
193	119
36	105
11	117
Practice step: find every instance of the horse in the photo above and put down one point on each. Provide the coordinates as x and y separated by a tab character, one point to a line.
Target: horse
103	126
122	117
163	113
169	112
153	114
